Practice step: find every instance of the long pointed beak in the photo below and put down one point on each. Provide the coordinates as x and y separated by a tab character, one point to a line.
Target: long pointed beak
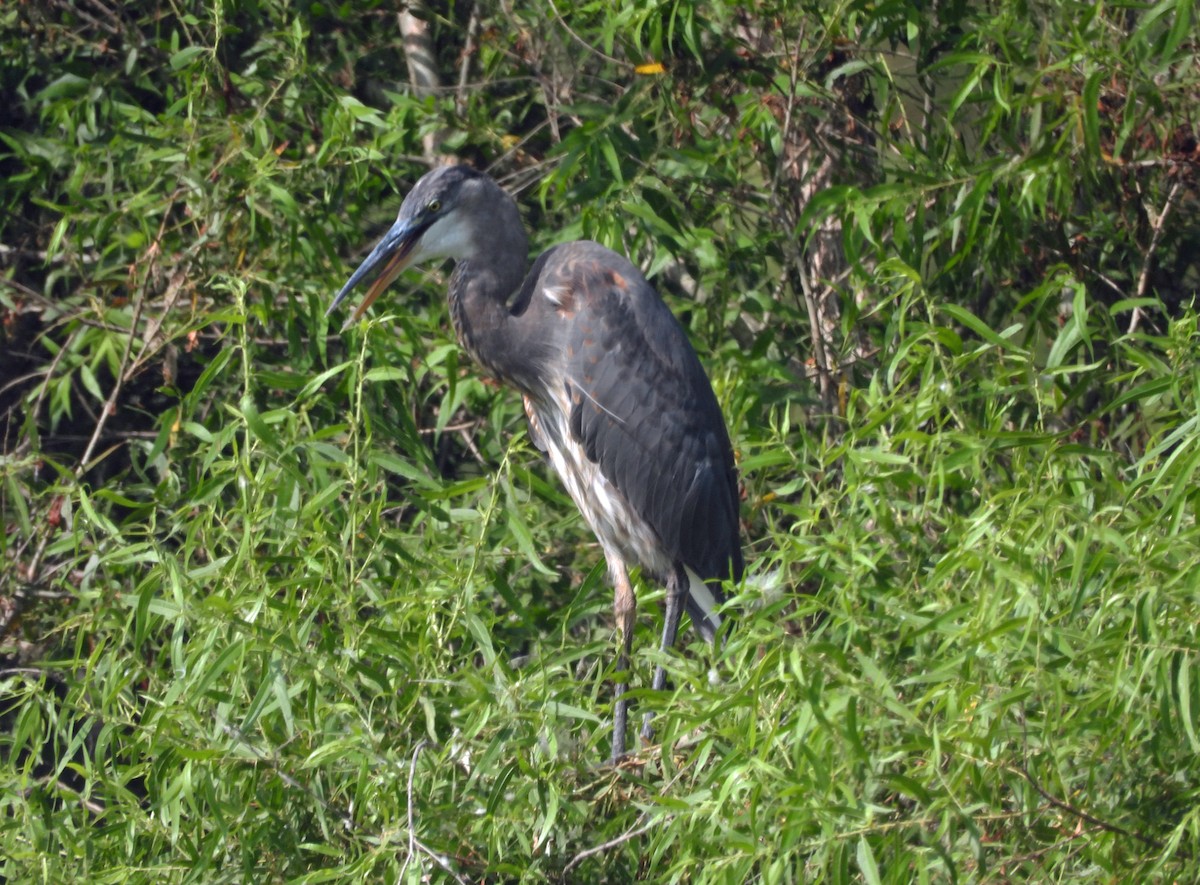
393	252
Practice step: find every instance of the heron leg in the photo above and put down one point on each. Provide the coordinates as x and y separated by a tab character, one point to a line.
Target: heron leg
677	588
625	610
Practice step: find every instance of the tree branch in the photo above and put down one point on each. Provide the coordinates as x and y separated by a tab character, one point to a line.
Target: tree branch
1157	225
422	71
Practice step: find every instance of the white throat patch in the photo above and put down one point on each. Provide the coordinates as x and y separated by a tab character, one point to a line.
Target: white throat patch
445	238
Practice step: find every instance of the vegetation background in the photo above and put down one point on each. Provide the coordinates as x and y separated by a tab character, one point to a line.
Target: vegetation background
284	604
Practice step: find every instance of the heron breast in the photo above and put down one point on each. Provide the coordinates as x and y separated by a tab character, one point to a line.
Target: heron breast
621	531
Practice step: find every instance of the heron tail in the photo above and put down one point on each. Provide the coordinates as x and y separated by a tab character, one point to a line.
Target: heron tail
701	605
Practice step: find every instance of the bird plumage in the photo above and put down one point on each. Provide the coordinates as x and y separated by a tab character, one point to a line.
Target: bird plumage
614	392
637	402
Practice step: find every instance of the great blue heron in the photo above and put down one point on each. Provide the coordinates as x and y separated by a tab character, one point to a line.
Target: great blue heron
615	394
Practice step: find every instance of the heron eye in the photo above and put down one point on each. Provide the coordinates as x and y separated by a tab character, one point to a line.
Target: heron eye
433	206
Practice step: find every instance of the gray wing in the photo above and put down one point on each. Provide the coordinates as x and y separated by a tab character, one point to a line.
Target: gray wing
646	412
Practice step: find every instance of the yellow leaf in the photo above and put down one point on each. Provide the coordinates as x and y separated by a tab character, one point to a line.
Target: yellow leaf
653	67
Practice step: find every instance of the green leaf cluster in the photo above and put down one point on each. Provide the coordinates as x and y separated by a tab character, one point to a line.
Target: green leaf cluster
280	603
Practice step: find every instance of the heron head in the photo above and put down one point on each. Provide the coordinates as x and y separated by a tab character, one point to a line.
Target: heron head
435	222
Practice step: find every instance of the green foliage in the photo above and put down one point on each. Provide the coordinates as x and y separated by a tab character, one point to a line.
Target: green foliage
285	604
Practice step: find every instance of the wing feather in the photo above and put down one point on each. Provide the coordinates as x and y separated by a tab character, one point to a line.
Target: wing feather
644	410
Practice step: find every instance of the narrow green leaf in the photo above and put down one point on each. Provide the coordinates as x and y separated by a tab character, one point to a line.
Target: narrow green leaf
56	238
384	373
1181	28
982	329
831	200
279	688
610	156
184	57
1091	113
318	381
257	426
1069	336
866	862
90	384
549	817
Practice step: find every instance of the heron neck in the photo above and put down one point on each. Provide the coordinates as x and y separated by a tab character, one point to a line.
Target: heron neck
483	321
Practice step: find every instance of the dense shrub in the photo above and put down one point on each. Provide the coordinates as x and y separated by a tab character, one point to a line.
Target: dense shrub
282	603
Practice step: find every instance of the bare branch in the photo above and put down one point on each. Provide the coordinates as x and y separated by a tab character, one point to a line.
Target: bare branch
43	256
127	368
419	54
464	67
415	844
422	70
1088	817
1157	225
585	44
627	836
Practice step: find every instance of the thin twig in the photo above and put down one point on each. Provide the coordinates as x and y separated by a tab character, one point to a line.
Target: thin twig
45	257
1088	817
422	71
1167	162
21	671
449	428
795	255
499	161
125	371
634	831
584	43
441	861
277	769
472	448
53	367
627	836
95	807
415	844
110	404
412	833
1158	224
460	96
